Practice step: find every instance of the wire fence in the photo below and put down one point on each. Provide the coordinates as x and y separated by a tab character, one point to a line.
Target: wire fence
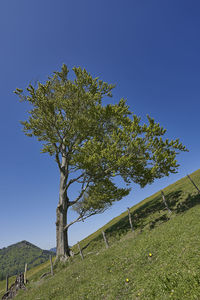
21	279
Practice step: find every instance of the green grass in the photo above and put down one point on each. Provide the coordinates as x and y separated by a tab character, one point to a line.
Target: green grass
33	275
173	271
180	196
14	257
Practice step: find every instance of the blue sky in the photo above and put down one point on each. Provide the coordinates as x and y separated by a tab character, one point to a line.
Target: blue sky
149	49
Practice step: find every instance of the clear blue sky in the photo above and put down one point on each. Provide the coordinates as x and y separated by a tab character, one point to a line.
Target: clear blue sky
150	49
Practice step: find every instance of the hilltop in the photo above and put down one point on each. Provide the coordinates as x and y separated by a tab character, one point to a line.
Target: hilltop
159	260
14	257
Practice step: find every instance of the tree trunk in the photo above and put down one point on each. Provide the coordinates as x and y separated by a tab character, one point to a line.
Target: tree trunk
62	247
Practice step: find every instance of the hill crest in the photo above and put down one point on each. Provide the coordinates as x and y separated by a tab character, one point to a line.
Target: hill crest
14	257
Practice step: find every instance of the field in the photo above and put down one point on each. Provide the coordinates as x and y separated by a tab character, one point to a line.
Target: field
159	260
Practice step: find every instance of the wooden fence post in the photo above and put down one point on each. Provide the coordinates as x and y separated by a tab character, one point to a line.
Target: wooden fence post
194	183
164	201
7	282
25	271
105	240
81	253
130	221
50	257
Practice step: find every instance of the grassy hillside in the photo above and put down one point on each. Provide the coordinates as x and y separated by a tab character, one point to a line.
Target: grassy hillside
33	274
149	213
158	261
14	257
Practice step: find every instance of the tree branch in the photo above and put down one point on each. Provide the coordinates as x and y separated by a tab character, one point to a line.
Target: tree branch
78	219
74	180
80	195
57	157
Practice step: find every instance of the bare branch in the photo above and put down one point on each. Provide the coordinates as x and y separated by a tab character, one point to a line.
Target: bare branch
79	219
79	181
59	150
80	195
57	156
75	179
71	223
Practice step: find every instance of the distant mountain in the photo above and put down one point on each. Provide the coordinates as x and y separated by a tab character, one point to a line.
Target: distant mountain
14	257
53	250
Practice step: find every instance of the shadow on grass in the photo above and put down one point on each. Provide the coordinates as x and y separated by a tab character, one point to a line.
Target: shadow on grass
161	219
189	202
177	202
140	215
152	213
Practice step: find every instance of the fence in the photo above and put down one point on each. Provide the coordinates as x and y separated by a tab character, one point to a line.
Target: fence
21	280
130	220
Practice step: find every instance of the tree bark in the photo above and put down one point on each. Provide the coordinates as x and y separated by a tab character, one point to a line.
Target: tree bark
62	247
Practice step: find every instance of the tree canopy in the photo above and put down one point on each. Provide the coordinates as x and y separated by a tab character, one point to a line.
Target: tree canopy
94	142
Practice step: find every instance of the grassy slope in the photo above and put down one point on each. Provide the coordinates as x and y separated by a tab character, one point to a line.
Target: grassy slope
173	271
33	274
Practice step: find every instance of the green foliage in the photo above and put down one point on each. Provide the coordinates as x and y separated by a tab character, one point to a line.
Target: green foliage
99	140
126	270
14	257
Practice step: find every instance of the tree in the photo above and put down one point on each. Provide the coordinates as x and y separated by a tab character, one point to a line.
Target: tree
93	143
